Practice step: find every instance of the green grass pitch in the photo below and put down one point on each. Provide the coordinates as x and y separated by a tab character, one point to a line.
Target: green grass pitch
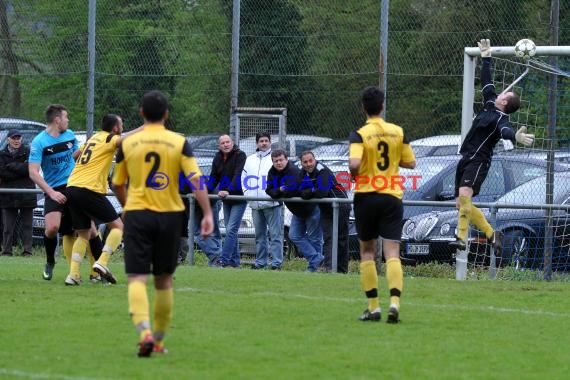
245	324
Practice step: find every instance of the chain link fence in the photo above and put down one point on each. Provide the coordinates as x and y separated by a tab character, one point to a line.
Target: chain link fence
310	57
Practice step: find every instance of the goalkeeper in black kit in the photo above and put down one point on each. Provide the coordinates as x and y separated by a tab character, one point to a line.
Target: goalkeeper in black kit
490	125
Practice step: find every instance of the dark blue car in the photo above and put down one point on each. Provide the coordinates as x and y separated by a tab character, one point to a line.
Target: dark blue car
425	237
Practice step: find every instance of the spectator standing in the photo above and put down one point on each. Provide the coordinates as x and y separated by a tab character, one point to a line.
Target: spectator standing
318	181
227	167
150	161
379	149
14	175
305	230
267	215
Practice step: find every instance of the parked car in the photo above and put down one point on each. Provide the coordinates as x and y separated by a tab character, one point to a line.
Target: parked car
28	128
506	173
445	145
426	237
294	144
332	148
204	146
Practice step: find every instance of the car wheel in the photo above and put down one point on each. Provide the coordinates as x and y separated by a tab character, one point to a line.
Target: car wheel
289	249
516	247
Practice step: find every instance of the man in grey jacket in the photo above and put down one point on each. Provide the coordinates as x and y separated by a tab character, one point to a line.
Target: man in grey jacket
267	215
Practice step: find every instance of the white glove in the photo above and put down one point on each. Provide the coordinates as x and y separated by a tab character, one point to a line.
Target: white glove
524	138
485	47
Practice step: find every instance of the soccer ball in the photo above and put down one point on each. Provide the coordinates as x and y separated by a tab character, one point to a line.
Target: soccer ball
525	49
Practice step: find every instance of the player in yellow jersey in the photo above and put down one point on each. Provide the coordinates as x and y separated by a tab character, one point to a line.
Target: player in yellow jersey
377	151
151	161
86	190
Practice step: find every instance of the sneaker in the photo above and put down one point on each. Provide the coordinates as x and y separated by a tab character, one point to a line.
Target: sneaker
94	279
27	254
274	267
497	241
160	349
48	272
458	244
72	281
393	314
104	272
7	254
255	267
368	315
146	346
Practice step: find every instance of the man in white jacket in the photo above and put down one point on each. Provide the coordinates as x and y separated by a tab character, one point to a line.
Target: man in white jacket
267	215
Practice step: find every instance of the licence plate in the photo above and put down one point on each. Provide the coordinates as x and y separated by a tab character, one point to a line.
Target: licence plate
417	249
39	223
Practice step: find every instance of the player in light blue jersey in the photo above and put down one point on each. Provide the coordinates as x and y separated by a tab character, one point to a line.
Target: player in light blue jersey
54	151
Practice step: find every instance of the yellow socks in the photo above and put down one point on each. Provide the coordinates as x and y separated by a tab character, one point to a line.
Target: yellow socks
369	283
68	241
464	217
138	307
163	305
395	277
111	243
479	221
77	250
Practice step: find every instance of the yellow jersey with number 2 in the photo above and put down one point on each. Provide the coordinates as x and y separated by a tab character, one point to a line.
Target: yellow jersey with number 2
151	162
380	146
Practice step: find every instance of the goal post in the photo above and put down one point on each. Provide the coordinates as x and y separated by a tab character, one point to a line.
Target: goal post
544	89
251	120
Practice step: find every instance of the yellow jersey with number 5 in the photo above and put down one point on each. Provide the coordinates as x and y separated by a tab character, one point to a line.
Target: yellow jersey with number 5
151	162
380	146
93	164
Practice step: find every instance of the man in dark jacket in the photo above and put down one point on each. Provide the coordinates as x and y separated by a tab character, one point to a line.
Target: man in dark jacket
305	230
14	175
227	167
318	181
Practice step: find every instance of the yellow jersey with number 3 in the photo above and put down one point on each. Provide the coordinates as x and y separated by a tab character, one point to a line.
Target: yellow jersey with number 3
380	146
151	162
92	166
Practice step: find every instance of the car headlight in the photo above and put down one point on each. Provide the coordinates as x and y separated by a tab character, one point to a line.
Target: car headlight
408	228
444	229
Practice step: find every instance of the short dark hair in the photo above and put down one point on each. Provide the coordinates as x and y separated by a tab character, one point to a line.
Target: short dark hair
54	110
261	134
373	100
277	153
513	103
109	121
154	106
304	153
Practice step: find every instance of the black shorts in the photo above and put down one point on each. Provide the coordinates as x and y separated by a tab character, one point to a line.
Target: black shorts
151	241
65	225
471	174
86	205
378	215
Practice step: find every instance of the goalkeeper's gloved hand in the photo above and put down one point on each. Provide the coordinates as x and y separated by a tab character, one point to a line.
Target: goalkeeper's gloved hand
485	47
524	138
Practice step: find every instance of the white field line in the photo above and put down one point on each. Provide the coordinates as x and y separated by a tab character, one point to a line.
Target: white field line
491	309
14	373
